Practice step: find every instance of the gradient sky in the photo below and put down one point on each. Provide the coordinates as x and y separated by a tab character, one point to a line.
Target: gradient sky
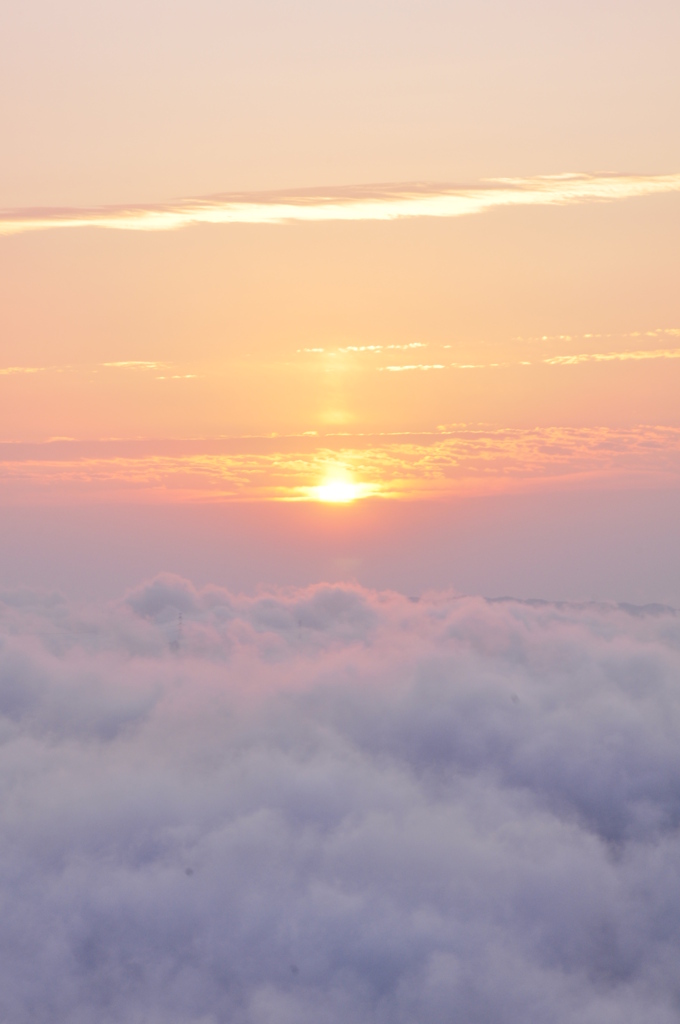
339	511
437	263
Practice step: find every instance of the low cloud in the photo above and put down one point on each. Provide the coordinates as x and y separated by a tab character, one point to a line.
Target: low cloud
332	805
350	203
456	459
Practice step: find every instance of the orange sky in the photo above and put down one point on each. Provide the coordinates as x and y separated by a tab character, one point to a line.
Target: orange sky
363	346
503	316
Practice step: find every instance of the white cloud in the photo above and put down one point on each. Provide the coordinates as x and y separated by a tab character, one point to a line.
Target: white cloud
350	203
338	806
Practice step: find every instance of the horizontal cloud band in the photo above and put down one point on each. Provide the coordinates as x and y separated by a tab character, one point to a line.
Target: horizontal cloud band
354	203
453	460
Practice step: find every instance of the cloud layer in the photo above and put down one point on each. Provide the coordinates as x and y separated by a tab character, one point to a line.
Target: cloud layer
338	806
350	203
453	460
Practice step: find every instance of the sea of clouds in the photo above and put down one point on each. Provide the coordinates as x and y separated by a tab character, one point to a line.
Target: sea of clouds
336	806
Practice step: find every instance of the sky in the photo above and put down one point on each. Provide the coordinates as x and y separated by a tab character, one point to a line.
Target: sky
339	504
393	254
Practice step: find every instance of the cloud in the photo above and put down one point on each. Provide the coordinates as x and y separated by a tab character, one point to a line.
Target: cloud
608	357
134	364
11	371
636	355
414	366
333	805
456	459
130	364
370	349
350	203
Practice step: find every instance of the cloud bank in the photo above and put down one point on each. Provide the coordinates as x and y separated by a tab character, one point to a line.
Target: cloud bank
332	806
456	459
350	203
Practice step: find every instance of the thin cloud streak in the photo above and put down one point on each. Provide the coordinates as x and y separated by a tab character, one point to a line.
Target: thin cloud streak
383	202
129	364
570	360
134	364
13	371
413	366
608	357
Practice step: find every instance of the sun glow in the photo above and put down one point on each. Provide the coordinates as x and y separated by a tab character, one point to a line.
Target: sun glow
338	491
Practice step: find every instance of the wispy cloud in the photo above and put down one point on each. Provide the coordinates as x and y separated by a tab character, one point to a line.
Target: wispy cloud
370	349
657	332
133	364
608	357
349	203
636	355
127	364
12	371
414	366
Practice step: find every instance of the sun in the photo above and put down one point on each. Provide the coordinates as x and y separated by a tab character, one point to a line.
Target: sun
338	488
338	491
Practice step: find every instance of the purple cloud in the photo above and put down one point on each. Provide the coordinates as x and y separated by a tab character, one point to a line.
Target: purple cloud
333	805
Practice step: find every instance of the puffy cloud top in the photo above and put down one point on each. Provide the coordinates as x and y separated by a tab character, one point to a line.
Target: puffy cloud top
331	806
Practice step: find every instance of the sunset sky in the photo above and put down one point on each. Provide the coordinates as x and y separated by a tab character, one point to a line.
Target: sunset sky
340	512
366	253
